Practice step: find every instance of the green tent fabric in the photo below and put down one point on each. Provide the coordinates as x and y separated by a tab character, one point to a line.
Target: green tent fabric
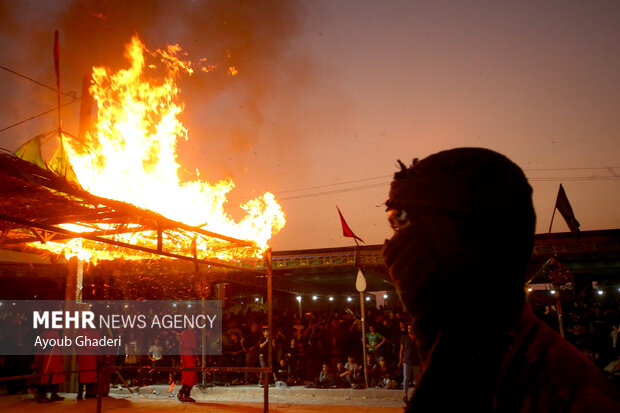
31	150
59	164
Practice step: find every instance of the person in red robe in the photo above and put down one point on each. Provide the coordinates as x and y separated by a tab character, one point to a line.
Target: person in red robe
50	365
464	224
187	350
87	360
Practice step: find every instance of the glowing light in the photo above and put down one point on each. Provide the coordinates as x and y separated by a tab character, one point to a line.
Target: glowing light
314	298
298	298
385	296
367	298
349	299
256	299
130	155
331	298
530	289
552	292
600	292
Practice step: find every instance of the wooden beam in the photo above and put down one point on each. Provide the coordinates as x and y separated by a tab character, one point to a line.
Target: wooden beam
153	251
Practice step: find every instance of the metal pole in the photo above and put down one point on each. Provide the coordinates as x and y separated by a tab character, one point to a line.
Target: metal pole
360	285
558	305
364	338
203	359
552	216
558	297
79	281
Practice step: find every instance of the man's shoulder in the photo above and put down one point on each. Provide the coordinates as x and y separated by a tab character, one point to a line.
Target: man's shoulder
545	368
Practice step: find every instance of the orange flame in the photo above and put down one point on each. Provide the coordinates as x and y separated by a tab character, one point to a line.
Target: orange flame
131	157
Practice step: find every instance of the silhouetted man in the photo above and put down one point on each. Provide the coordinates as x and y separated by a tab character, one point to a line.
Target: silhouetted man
409	359
464	225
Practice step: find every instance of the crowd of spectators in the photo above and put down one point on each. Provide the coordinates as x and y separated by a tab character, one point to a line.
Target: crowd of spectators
324	349
592	327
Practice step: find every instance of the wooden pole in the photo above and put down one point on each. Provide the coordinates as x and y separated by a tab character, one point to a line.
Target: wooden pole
99	385
73	296
269	326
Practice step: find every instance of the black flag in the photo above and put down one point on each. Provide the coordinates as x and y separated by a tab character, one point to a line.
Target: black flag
562	205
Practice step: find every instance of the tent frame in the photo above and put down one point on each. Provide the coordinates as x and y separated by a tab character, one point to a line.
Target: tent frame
34	202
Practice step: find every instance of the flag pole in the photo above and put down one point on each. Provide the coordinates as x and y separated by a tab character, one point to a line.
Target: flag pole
552	216
57	68
360	285
364	338
558	296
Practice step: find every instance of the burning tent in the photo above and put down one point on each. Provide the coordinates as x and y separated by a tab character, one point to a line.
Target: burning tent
39	207
115	192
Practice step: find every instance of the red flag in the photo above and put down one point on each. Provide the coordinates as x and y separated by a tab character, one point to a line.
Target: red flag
346	231
562	205
57	59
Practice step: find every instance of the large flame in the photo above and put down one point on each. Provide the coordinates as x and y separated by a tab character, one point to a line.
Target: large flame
131	156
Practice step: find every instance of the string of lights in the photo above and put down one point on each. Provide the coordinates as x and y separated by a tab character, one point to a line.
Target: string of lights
332	298
553	290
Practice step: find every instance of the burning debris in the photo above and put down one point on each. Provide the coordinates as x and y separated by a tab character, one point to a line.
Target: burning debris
130	156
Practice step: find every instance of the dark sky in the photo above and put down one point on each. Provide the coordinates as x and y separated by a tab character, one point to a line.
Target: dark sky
331	93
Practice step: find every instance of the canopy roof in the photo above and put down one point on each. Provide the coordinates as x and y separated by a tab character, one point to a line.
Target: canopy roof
35	202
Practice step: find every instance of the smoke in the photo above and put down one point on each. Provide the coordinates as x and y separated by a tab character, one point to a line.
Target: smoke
254	37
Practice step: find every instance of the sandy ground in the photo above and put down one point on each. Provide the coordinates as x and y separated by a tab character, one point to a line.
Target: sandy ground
227	400
27	404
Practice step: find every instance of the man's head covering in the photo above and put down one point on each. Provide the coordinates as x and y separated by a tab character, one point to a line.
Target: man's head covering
467	226
463	181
